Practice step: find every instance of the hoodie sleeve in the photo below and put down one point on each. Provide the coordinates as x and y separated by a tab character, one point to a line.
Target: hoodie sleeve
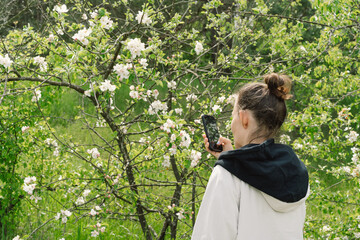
217	218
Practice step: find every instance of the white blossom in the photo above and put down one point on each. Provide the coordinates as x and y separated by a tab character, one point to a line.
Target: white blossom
216	107
298	146
143	62
156	93
171	85
172	138
178	110
122	71
180	214
352	136
346	169
166	162
94	14
86	192
59	31
94	233
106	86
231	99
29	188
168	125
93	212
66	213
191	97
61	9
185	138
97	208
51	142
285	139
173	149
81	36
51	37
198	47
142	17
355	158
135	46
84	17
106	22
29	180
5	61
80	201
41	61
195	157
17	238
94	153
36	96
134	94
56	152
157	106
221	99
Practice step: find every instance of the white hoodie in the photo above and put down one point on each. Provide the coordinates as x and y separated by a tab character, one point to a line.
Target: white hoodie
232	209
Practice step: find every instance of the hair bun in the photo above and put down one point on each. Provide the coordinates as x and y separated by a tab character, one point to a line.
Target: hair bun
279	85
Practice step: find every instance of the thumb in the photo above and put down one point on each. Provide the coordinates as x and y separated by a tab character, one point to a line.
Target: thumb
224	140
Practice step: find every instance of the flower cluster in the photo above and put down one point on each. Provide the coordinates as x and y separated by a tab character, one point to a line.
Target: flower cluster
53	143
198	47
106	86
41	61
285	139
352	136
143	62
5	61
82	35
61	9
355	157
106	22
36	96
185	139
157	106
195	156
122	70
191	97
216	108
93	212
99	229
29	185
64	214
136	93
94	153
88	92
168	125
166	163
142	17
171	85
135	46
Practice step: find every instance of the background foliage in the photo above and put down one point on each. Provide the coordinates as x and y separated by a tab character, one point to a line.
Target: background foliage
100	133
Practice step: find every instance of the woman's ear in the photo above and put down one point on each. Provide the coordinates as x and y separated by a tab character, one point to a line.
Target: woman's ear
244	118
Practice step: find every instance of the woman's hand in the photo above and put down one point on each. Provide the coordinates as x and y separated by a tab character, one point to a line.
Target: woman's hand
226	144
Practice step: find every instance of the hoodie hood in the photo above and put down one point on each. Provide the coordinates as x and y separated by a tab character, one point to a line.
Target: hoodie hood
284	207
274	169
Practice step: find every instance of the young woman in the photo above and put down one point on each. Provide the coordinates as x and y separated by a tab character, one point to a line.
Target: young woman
258	190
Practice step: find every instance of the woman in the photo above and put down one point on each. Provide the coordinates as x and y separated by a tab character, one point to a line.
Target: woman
258	190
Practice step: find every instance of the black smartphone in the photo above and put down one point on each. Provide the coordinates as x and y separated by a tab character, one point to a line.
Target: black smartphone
212	132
